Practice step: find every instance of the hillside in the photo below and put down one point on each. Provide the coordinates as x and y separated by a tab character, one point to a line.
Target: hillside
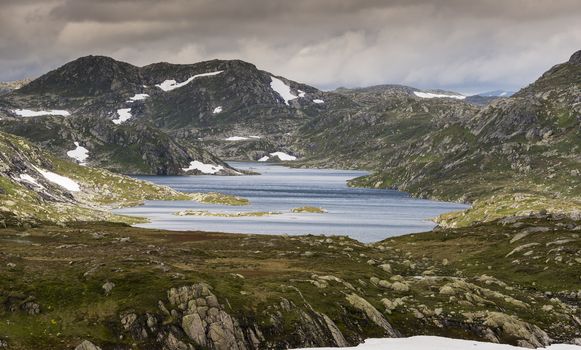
511	281
513	156
126	149
521	152
36	187
8	86
186	110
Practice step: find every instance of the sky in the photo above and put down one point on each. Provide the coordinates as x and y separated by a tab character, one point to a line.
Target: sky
460	45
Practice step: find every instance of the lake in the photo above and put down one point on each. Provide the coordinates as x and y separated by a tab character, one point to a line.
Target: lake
367	215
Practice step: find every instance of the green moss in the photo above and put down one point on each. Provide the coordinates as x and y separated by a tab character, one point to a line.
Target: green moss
250	274
219	198
309	209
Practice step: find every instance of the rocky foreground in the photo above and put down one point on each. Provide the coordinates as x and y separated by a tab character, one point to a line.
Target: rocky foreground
514	281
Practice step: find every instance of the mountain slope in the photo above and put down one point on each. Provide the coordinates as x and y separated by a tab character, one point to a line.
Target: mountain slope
136	149
523	149
206	103
37	186
8	86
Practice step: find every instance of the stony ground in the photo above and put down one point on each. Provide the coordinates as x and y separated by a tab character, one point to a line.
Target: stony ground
514	281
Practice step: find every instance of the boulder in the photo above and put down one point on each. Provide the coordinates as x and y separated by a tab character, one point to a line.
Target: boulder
371	312
87	345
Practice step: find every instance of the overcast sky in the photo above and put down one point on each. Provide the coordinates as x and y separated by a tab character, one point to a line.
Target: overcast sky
463	45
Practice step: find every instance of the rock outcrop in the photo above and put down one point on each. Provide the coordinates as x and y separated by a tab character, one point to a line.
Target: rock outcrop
87	345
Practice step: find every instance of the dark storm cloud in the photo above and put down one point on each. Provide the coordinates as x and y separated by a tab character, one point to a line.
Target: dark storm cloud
455	44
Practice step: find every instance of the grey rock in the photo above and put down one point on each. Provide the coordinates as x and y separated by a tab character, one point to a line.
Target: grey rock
108	287
87	345
371	312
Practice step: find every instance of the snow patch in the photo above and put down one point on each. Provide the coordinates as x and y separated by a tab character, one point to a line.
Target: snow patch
237	138
31	113
80	154
169	85
241	138
62	181
124	115
282	89
138	97
217	110
318	101
301	93
438	343
204	168
283	156
30	179
432	95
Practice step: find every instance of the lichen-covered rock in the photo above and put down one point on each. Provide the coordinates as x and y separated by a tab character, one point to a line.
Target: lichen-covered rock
108	287
510	327
371	312
87	345
205	322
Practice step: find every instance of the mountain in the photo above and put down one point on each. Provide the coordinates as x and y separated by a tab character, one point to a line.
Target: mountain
495	93
8	86
504	271
202	106
485	98
164	118
513	156
83	93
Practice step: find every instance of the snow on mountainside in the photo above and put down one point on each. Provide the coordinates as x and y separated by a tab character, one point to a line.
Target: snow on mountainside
422	94
282	89
278	156
31	113
169	85
194	104
203	168
137	97
124	115
80	154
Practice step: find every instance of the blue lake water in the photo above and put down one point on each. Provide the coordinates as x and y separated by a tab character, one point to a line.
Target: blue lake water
367	215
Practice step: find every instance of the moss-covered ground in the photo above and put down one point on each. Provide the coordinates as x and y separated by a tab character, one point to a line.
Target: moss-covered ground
419	282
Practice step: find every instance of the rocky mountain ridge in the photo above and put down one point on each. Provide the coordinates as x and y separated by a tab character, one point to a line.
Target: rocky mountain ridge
526	146
200	106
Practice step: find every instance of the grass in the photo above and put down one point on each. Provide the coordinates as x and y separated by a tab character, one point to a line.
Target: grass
309	209
219	198
251	273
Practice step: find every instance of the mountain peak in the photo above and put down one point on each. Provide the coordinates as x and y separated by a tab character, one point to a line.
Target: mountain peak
575	58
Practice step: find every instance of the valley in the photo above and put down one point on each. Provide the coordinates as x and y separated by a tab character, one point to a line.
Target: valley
196	250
